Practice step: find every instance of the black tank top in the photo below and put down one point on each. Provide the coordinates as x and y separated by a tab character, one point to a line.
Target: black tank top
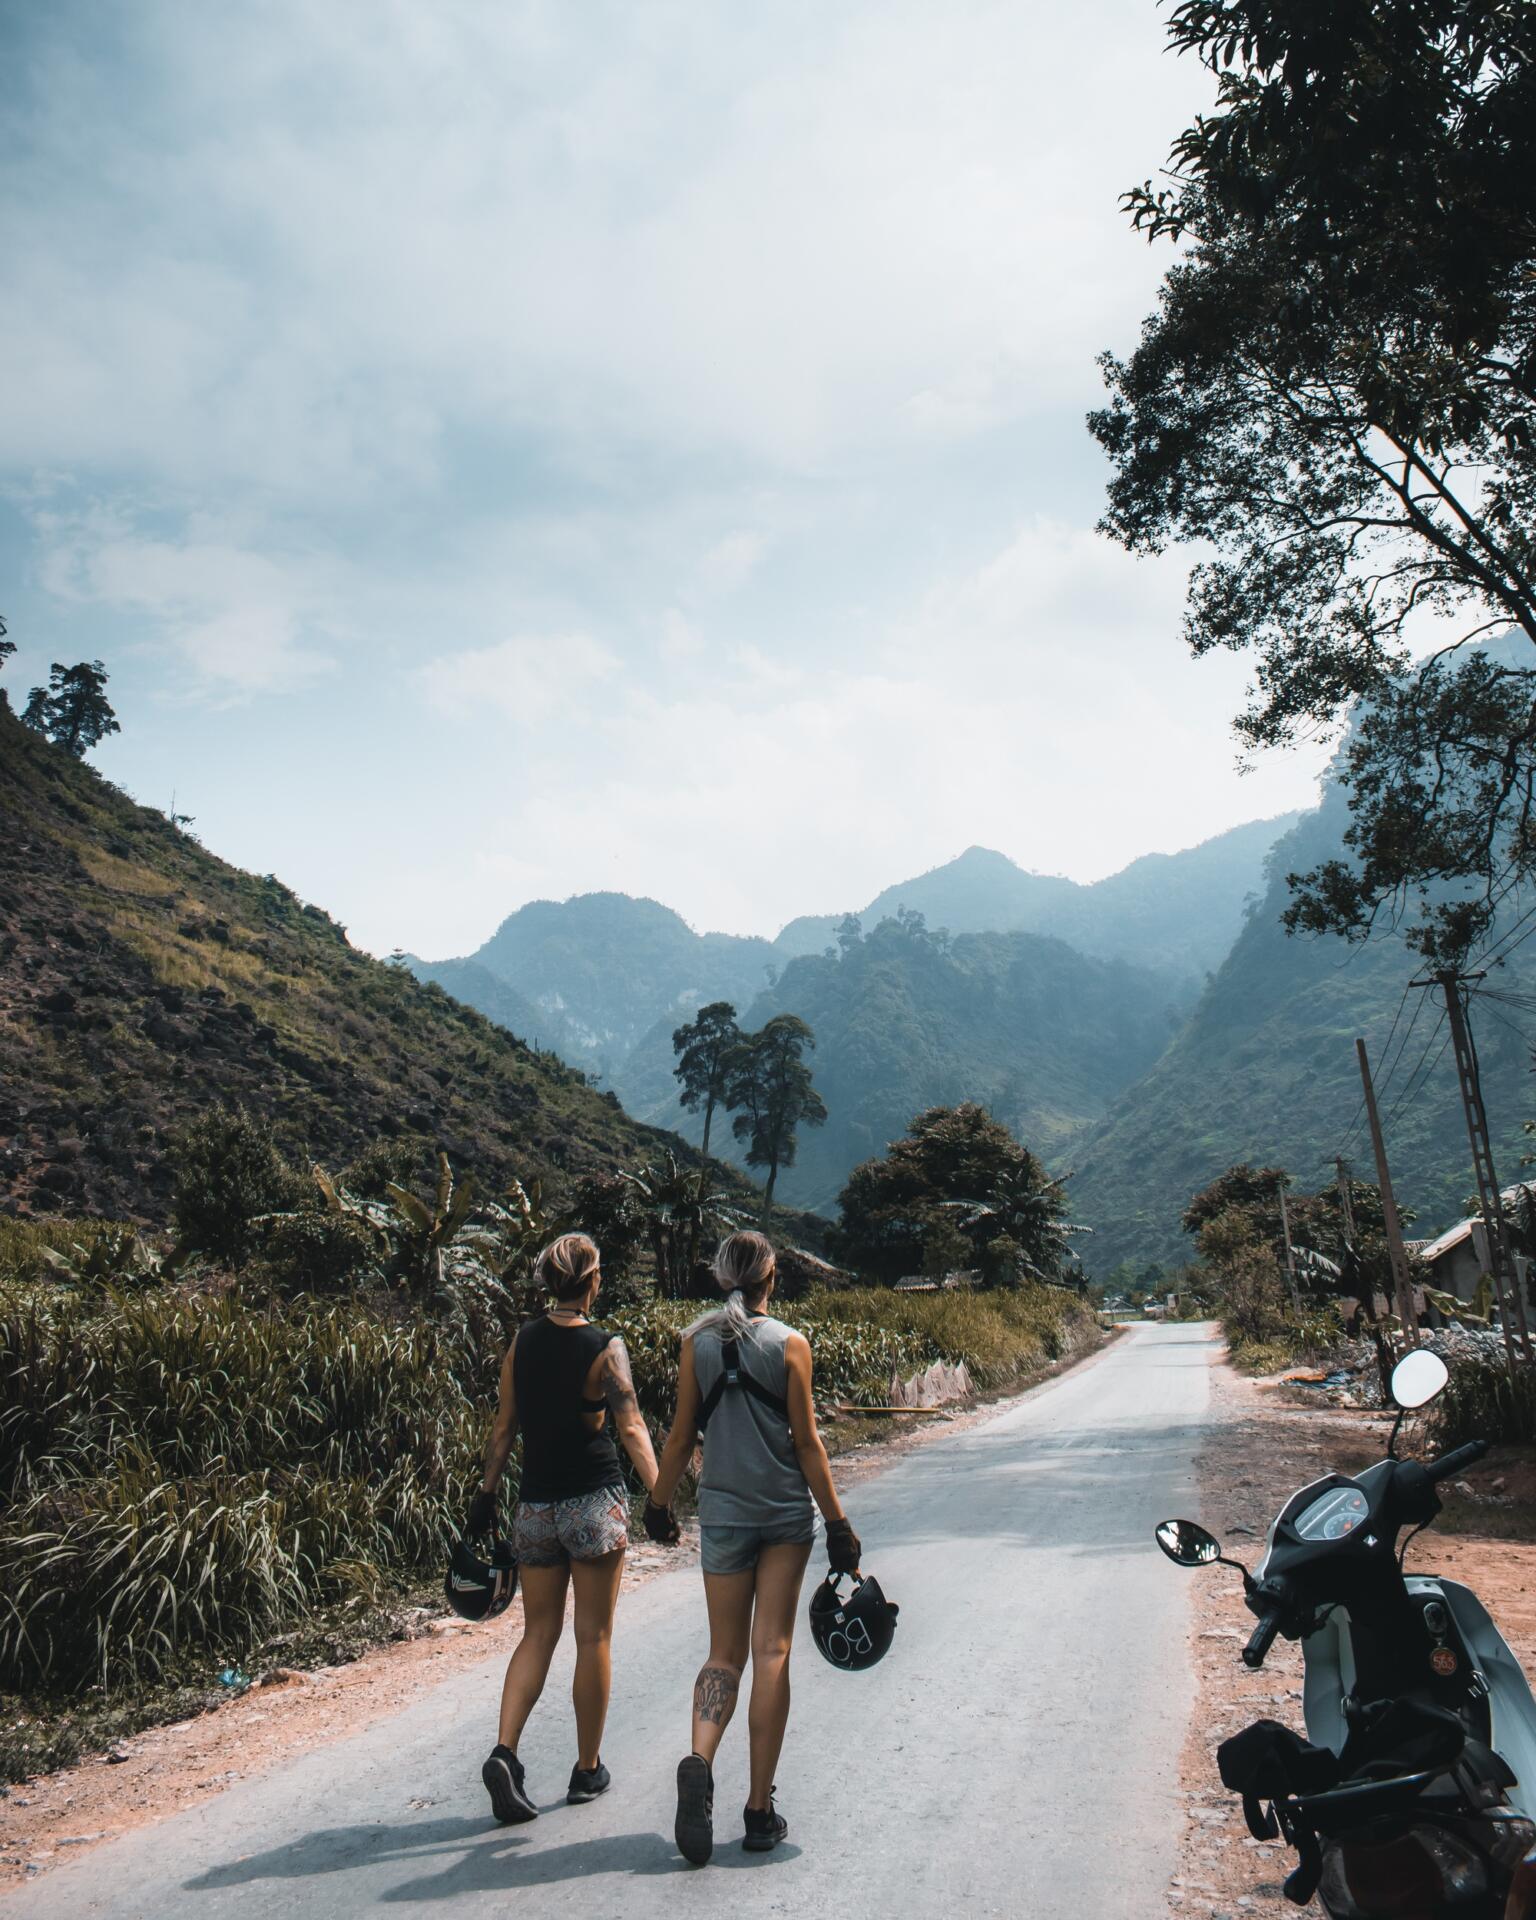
562	1456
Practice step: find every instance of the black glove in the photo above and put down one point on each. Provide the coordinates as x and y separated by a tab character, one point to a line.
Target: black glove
482	1512
661	1525
842	1547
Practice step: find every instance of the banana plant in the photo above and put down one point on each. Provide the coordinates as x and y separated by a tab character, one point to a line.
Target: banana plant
679	1206
120	1257
510	1233
429	1230
335	1199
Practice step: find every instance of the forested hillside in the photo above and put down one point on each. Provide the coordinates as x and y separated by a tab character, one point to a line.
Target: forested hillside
598	970
1265	1071
907	1018
143	981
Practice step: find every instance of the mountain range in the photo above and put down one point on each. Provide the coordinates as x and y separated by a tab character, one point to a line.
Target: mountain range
1007	1008
1142	1033
1178	1030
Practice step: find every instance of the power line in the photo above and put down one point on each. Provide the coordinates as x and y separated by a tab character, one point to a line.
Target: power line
1391	1071
1506	943
1354	1125
1505	1021
1410	1092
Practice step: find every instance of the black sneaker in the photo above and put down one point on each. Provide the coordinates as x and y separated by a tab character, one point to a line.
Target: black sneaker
695	1829
587	1783
765	1828
503	1777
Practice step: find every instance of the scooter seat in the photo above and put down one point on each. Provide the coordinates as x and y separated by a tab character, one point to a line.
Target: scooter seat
1391	1737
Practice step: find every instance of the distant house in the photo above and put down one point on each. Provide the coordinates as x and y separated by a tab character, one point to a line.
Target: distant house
1458	1258
926	1283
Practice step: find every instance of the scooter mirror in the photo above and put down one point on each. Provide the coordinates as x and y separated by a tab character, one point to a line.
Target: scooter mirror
1188	1544
1417	1378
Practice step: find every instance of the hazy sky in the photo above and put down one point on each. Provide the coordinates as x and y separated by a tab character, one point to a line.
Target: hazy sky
502	450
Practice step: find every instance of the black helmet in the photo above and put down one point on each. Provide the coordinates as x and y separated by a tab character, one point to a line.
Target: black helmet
856	1632
479	1589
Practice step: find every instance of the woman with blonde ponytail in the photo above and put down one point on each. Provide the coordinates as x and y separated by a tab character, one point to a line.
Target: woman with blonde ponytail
563	1381
744	1383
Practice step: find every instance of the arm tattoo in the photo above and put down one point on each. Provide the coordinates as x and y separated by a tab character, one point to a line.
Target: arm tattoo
618	1382
714	1694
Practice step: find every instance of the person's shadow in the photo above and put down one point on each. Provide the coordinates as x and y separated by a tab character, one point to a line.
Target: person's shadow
470	1857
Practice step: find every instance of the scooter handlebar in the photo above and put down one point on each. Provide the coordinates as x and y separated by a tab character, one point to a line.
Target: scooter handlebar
1456	1459
1261	1640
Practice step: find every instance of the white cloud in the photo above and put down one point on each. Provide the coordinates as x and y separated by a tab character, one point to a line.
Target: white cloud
317	245
529	680
238	619
687	376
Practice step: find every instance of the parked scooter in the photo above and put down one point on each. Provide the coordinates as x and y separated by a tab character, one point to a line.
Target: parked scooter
1414	1796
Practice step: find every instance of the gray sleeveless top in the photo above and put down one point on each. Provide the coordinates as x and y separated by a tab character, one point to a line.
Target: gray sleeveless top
751	1477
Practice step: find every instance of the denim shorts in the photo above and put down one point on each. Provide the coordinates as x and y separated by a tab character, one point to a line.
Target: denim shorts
735	1549
549	1533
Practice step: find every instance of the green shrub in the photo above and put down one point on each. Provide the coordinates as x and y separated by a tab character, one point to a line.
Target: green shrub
228	1173
318	1252
1482	1402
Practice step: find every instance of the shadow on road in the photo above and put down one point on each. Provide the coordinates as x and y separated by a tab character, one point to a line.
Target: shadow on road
474	1858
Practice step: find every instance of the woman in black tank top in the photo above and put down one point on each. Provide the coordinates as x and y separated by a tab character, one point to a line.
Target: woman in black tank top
562	1381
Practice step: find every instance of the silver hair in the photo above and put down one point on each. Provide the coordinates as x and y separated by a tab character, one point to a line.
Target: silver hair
740	1257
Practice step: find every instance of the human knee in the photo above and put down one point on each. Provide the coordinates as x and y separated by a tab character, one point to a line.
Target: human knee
592	1634
543	1636
771	1649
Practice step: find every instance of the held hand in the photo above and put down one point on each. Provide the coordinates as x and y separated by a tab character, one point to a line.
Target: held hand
843	1548
482	1512
661	1525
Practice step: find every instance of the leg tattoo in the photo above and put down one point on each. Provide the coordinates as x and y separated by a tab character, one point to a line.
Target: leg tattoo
714	1693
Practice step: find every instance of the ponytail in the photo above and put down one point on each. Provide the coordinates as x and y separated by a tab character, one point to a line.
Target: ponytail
744	1267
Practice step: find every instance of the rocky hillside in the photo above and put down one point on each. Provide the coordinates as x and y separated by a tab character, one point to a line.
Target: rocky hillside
142	980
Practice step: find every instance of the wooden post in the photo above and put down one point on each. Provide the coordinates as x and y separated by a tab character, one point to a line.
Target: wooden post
1290	1254
1402	1286
1346	1204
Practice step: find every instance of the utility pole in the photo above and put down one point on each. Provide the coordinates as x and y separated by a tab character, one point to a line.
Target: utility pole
1506	1285
1401	1284
1290	1252
1346	1204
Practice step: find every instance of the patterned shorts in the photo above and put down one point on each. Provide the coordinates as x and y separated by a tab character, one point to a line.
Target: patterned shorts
549	1533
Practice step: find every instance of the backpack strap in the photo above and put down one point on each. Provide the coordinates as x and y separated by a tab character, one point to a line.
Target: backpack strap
734	1374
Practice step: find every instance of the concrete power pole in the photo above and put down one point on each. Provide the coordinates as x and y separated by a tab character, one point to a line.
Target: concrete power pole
1402	1286
1506	1286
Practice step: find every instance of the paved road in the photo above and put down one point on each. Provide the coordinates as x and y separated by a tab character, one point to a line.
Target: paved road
1015	1754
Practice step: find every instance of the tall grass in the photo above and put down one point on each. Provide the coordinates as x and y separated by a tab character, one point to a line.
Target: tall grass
180	1471
182	1474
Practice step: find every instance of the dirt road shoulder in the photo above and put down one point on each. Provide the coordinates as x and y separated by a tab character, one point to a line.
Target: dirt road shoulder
1259	1450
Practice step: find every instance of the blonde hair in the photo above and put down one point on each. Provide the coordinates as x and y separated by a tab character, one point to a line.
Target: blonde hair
566	1265
743	1266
